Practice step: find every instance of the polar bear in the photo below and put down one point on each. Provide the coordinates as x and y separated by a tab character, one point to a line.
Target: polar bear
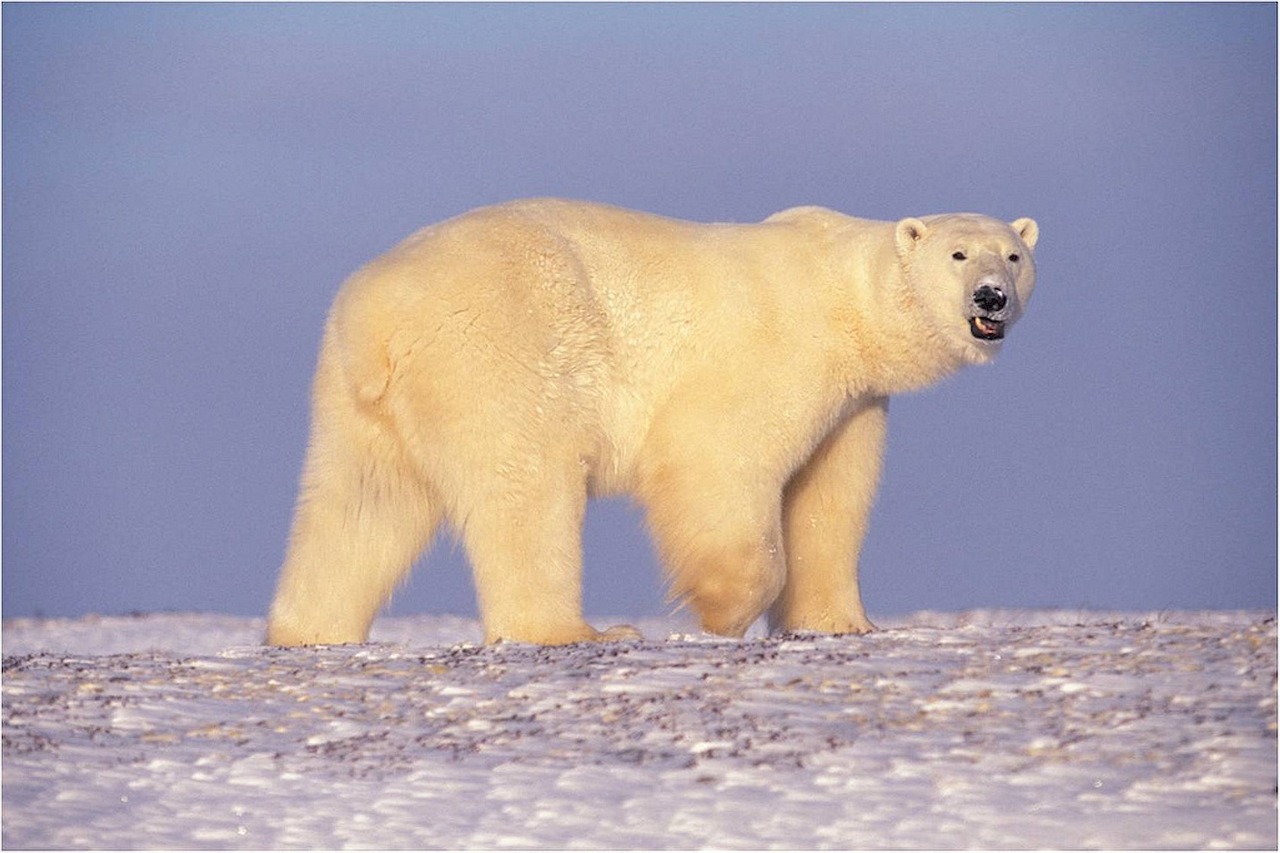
498	369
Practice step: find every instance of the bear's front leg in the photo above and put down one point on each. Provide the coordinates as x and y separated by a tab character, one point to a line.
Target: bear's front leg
826	507
720	541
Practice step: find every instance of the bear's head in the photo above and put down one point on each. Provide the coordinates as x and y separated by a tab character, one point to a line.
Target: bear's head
971	275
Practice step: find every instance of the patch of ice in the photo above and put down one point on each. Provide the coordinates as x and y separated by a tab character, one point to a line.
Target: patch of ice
990	729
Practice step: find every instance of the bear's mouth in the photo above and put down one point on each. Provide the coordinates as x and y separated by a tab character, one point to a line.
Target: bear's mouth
986	329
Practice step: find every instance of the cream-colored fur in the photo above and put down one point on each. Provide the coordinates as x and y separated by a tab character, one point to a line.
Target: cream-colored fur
498	369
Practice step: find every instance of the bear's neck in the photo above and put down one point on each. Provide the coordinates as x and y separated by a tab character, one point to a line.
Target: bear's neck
889	346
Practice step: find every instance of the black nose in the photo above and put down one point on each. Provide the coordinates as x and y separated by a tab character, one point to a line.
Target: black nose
989	298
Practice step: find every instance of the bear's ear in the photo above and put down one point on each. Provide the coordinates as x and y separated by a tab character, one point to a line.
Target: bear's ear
1028	230
909	233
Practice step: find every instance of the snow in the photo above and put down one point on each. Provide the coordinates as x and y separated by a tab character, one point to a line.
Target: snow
993	729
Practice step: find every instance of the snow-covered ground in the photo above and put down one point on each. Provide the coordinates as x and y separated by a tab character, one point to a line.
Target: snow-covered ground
992	729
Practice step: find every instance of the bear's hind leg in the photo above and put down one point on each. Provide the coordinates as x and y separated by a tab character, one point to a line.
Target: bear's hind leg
363	515
524	540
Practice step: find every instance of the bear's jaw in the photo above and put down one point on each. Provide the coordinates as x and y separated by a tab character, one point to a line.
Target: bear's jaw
986	329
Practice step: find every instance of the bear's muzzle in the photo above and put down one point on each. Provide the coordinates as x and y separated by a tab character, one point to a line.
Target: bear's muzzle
991	309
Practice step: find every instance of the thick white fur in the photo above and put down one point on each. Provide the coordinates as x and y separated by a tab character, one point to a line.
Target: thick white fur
498	369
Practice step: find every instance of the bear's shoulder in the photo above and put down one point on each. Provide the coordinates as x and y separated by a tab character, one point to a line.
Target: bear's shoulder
820	218
806	213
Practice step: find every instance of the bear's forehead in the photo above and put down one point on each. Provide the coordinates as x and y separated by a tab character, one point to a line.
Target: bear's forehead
970	226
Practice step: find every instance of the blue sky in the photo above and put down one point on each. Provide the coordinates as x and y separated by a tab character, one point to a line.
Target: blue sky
186	186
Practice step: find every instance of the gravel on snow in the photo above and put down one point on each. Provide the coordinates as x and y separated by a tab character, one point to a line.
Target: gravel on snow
993	729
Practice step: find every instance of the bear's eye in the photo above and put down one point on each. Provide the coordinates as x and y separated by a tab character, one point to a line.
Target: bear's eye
1014	258
959	256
